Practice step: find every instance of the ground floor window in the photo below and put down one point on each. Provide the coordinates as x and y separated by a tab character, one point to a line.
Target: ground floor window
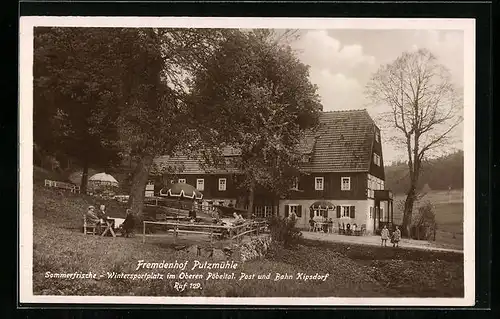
293	209
263	211
321	213
346	211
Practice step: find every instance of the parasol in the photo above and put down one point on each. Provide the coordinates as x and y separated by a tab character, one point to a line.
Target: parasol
103	178
182	190
322	205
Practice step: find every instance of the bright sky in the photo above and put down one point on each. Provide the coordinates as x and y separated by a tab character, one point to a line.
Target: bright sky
342	61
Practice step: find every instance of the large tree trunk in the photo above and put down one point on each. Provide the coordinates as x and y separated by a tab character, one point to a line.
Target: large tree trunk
85	177
139	180
408	210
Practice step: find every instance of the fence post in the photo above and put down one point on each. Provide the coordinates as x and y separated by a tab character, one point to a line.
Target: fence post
143	232
175	233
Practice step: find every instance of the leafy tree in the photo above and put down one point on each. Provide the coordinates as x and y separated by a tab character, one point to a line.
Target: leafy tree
75	94
425	108
255	95
154	117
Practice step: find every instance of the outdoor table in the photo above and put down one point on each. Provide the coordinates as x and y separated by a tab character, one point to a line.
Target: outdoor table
109	227
117	221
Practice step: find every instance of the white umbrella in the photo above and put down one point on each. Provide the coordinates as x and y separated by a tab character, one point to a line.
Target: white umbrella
103	178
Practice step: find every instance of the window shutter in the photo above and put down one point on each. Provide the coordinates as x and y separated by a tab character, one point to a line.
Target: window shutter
352	212
299	211
371	212
326	213
338	211
287	210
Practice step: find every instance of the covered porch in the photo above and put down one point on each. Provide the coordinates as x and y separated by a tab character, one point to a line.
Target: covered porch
381	217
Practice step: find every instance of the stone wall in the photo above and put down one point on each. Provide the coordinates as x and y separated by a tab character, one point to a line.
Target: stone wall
249	248
255	248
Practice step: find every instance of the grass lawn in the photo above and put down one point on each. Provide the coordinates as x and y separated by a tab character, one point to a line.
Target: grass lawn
354	270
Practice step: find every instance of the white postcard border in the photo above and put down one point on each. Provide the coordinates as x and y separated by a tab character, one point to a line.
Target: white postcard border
26	145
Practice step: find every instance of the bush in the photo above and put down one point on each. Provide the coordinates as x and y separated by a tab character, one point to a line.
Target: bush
423	224
283	231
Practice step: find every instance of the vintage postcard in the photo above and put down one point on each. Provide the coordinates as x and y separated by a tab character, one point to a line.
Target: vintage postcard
245	161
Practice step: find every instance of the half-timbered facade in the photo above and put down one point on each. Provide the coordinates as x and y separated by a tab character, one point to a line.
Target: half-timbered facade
342	164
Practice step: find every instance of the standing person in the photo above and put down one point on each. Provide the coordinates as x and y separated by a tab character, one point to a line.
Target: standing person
330	225
127	227
396	237
311	224
384	234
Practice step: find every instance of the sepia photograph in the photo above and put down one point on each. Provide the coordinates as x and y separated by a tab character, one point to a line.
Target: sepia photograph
247	161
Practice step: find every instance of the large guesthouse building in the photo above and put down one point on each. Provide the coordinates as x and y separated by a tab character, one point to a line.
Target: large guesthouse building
342	165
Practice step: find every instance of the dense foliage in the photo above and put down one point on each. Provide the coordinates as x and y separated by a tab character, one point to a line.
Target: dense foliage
284	231
256	96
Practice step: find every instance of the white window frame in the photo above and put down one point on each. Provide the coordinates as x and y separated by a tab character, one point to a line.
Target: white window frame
268	211
181	180
225	184
348	188
295	183
290	209
342	213
198	180
376	159
322	179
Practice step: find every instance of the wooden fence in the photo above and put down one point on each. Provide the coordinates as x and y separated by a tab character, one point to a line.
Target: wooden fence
233	232
62	185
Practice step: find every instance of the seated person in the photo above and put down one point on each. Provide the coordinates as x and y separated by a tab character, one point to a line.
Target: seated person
91	218
101	214
127	227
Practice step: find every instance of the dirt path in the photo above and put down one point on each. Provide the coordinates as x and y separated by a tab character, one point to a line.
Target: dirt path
375	241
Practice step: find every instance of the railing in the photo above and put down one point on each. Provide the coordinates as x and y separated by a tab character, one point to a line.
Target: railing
62	185
234	232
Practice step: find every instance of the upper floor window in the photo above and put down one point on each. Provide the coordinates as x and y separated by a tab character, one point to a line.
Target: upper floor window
200	184
319	183
222	184
376	159
181	180
295	183
377	136
345	184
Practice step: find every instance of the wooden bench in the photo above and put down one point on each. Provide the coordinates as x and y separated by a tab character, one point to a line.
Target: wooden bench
62	185
89	228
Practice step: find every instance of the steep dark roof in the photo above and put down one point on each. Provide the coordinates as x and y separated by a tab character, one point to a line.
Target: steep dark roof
190	165
341	143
